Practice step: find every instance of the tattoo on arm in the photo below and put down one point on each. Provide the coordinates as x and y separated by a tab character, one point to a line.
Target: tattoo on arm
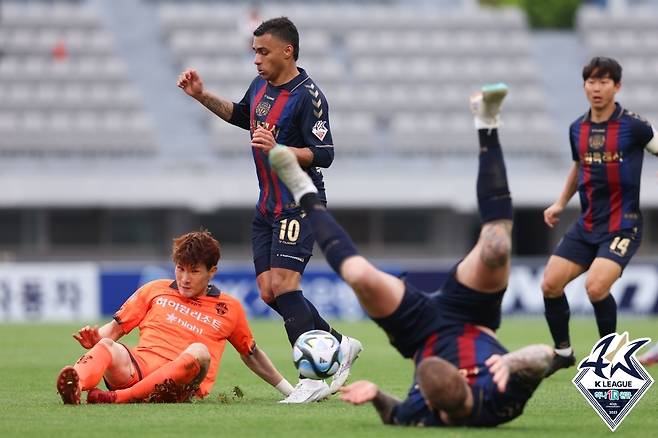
222	107
532	360
384	404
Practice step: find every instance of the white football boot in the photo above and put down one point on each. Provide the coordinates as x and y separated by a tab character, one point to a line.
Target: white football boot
485	105
350	348
307	391
285	164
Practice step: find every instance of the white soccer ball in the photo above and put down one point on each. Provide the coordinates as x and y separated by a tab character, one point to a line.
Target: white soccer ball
317	354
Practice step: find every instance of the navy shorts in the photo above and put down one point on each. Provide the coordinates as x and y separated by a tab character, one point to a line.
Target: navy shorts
416	318
582	247
286	242
422	314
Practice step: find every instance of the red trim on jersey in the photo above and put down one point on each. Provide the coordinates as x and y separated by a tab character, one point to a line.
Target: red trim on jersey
583	147
428	349
262	174
466	349
258	155
614	179
277	194
271	121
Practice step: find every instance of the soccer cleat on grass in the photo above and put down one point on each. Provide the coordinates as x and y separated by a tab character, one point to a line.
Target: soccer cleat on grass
485	105
308	390
650	357
285	163
98	396
68	385
560	362
350	348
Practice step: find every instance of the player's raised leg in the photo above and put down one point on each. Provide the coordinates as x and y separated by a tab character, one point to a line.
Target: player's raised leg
106	358
379	293
486	267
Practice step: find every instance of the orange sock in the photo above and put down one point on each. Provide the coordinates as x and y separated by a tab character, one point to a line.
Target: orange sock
181	370
92	366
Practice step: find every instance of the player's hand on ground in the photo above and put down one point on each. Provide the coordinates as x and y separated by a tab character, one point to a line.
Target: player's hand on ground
87	336
552	213
499	369
190	82
359	392
263	139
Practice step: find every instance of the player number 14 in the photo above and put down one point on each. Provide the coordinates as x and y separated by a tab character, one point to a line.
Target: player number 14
290	228
619	245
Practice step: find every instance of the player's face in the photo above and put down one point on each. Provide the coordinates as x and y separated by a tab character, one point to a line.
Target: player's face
600	92
271	56
193	281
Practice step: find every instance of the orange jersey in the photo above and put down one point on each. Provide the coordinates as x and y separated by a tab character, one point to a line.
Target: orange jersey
169	322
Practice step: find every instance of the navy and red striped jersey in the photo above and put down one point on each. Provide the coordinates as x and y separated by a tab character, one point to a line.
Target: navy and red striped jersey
610	158
297	114
467	348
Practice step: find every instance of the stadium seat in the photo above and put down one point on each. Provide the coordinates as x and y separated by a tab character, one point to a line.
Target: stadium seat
79	101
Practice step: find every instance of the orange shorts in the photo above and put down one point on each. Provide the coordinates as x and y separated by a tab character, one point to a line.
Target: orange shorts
144	363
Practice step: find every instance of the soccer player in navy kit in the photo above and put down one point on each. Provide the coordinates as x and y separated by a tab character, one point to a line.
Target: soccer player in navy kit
607	145
464	376
283	105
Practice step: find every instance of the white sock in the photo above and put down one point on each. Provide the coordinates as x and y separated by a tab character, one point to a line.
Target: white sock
564	352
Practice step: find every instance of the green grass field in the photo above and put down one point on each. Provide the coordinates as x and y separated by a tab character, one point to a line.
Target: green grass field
32	355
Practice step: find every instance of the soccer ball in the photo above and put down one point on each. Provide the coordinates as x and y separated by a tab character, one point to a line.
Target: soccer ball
317	354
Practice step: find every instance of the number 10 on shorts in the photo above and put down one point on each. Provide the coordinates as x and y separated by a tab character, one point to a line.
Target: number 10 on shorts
289	229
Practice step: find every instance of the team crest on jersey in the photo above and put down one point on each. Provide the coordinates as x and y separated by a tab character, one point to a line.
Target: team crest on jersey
320	129
221	308
611	379
596	141
263	108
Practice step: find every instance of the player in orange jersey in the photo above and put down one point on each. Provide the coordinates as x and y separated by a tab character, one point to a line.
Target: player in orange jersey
183	328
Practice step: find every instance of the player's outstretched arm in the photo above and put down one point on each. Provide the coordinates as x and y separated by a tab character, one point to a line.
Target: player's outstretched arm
89	336
190	82
532	360
364	391
262	366
552	213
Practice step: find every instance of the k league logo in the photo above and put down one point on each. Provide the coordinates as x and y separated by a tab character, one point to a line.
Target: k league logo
611	379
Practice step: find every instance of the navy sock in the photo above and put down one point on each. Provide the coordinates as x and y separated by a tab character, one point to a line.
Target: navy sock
297	317
557	315
606	315
494	199
334	241
321	323
274	306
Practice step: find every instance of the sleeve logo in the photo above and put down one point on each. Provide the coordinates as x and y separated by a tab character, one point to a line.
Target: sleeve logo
320	129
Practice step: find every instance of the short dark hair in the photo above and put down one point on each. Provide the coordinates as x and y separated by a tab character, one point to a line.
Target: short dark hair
283	29
600	67
441	384
196	247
